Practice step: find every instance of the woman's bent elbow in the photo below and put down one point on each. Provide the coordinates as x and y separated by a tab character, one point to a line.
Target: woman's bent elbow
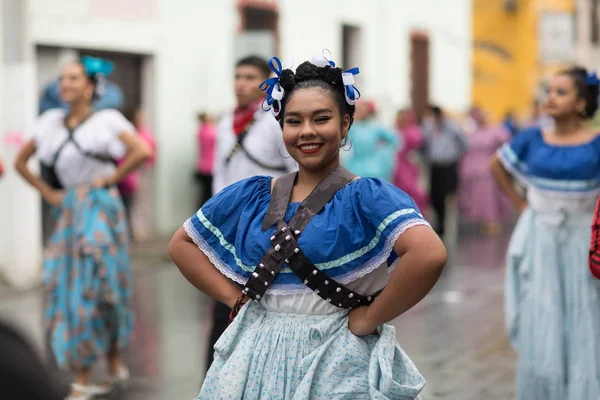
438	258
175	245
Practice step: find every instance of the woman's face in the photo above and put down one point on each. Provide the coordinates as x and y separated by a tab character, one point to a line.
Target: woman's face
562	99
75	85
313	129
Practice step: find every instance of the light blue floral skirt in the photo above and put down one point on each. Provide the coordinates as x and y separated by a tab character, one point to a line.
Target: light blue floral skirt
270	355
553	307
87	275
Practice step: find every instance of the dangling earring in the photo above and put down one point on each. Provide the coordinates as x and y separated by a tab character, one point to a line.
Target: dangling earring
345	140
583	113
282	156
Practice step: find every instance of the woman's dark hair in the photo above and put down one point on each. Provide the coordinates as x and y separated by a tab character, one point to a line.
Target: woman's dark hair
587	91
308	75
436	111
256	62
93	78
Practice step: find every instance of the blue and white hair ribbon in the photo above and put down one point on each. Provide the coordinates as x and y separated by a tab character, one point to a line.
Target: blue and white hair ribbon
352	93
323	60
273	88
99	69
592	79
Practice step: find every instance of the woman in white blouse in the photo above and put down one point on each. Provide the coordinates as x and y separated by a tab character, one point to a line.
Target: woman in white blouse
87	269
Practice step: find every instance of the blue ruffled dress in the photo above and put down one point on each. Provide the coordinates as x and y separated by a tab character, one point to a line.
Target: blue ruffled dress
292	344
552	301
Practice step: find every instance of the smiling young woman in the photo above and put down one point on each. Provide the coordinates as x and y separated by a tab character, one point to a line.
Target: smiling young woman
305	258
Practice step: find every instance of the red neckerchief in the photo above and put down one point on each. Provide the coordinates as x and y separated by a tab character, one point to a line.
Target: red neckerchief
243	116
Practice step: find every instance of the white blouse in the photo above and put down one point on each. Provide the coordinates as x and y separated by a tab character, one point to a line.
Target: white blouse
99	135
263	141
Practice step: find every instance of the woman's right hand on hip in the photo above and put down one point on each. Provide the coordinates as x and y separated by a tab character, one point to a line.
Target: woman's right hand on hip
54	197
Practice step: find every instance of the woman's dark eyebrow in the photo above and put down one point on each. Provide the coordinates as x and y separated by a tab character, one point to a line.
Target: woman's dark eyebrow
297	114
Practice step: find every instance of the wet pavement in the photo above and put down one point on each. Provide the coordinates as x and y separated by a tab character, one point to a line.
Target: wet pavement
455	336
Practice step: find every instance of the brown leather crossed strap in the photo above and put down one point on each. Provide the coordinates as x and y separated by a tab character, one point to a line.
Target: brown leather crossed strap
285	249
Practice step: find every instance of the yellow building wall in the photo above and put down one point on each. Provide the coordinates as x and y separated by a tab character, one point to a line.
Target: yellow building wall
506	71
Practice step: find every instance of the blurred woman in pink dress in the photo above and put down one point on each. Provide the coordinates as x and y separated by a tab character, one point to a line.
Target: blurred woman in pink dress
407	174
206	139
480	200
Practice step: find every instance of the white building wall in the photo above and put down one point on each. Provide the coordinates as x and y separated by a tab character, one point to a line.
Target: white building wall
190	49
310	25
20	222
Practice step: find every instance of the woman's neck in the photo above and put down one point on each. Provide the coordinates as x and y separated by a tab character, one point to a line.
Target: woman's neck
79	111
311	178
567	125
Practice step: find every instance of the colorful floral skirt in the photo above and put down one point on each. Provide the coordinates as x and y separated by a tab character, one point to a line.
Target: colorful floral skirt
87	275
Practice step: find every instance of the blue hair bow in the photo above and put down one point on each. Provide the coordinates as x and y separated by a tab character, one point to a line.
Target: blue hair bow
273	88
352	93
95	66
592	79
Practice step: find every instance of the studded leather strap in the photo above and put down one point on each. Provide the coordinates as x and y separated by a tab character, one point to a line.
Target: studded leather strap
285	249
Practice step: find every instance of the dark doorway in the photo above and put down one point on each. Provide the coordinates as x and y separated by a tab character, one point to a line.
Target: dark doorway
419	72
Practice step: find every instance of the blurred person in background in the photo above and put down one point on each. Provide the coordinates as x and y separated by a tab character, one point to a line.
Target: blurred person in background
86	269
372	151
407	173
110	98
137	182
207	136
551	297
479	198
594	256
443	147
538	117
248	144
510	123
